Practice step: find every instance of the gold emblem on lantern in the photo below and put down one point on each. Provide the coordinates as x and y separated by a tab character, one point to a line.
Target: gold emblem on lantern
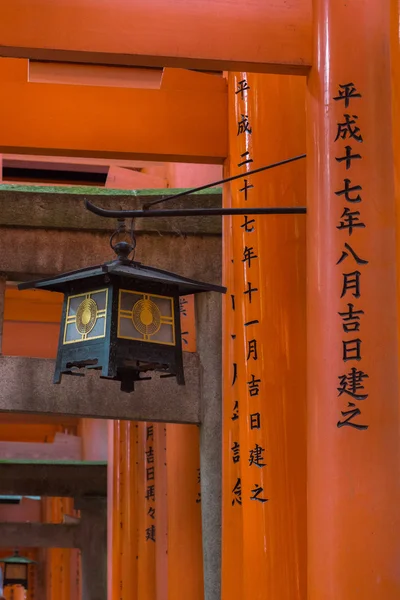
146	317
86	317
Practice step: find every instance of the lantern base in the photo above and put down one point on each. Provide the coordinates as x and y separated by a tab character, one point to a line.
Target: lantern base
127	376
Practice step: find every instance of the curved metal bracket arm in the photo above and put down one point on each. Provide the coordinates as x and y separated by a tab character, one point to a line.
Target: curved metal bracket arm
194	212
203	212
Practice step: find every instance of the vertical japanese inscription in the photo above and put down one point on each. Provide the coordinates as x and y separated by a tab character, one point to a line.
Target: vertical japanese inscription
150	496
352	381
252	458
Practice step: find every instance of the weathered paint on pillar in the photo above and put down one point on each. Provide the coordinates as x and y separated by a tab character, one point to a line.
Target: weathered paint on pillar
122	511
185	561
110	511
115	507
127	513
160	480
395	67
267	124
353	466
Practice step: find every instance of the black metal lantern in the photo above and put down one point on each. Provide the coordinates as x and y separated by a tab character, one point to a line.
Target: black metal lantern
16	570
121	317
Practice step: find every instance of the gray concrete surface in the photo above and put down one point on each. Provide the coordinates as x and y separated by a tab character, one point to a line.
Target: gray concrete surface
54	210
94	549
27	387
209	319
39	535
30	478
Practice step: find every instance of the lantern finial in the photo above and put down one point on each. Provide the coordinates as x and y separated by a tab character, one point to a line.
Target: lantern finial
124	248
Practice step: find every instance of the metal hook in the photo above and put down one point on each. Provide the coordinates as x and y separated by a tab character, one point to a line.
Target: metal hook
123	248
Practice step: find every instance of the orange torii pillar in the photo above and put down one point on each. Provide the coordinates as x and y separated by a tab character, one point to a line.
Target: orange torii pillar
353	404
395	63
265	395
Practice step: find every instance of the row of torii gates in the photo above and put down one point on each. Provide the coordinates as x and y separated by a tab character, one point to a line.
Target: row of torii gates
325	527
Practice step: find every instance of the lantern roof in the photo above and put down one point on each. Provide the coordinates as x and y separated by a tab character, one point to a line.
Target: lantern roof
125	269
16	559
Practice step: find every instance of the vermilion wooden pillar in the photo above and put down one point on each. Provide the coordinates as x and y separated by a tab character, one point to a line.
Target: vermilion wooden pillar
264	446
395	63
353	424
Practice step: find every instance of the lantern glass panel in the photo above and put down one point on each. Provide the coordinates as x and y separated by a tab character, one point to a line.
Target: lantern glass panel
16	572
86	316
146	317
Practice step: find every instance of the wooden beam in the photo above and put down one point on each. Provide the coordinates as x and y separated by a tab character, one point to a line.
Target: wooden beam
185	120
73	163
62	479
73	74
263	35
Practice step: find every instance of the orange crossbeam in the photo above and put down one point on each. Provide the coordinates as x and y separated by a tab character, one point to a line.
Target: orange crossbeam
185	120
261	35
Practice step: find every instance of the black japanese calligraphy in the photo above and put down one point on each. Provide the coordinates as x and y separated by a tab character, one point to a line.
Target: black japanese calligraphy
237	492
347	91
348	157
246	160
349	129
245	188
242	87
350	220
151	533
257	457
256	494
351	350
351	319
234	373
351	281
235	413
255	421
244	125
250	290
351	383
350	415
182	308
150	492
236	452
247	224
348	188
150	455
252	350
359	261
248	256
253	386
